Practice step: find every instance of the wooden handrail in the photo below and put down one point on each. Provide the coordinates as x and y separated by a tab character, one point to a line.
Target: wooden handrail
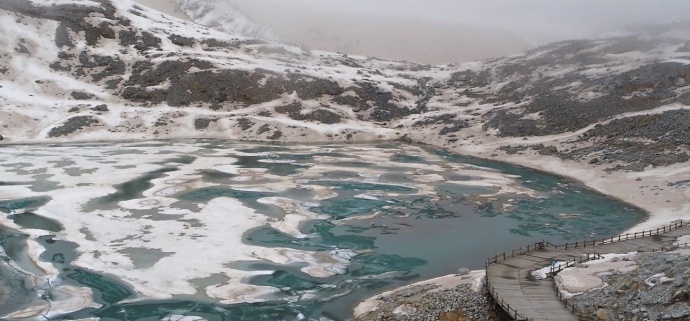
545	244
513	313
624	237
563	266
530	248
613	239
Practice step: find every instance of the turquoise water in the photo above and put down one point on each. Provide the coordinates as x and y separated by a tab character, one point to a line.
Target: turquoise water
423	228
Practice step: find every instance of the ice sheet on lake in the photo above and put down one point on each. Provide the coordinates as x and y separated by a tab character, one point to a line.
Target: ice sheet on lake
110	211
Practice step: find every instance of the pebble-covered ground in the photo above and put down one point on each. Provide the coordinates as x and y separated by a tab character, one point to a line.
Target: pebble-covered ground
659	289
421	303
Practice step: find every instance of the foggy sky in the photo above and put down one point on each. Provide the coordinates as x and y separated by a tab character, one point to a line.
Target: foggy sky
476	29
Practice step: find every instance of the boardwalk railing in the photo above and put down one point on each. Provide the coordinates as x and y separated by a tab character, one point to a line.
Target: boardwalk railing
576	260
588	243
583	258
521	251
624	237
514	314
566	302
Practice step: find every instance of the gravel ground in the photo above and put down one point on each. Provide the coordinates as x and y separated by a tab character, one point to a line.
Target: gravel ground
420	303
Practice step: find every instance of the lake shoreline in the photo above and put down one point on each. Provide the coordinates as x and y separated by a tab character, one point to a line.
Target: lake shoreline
554	166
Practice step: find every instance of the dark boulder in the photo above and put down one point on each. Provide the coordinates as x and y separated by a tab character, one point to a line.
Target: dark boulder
80	95
101	107
548	150
182	41
203	123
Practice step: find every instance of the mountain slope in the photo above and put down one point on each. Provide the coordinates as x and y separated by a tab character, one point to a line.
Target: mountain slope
160	76
97	70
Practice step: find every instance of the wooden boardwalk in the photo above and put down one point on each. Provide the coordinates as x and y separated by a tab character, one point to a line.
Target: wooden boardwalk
509	280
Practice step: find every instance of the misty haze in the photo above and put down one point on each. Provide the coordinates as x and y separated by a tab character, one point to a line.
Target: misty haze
443	31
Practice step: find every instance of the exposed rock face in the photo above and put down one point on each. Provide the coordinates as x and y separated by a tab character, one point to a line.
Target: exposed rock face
323	116
73	125
202	123
657	140
563	110
656	290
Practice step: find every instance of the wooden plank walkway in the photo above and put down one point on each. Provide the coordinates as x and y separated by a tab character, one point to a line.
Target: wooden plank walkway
523	298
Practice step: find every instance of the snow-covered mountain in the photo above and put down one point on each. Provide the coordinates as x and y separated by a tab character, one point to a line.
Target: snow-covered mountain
163	77
222	16
110	69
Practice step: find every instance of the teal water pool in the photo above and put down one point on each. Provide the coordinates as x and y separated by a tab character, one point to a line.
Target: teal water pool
166	229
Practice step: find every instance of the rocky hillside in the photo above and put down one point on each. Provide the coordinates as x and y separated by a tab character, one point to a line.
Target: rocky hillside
658	289
103	70
109	69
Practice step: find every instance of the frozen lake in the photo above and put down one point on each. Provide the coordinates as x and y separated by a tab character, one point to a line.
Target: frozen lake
235	231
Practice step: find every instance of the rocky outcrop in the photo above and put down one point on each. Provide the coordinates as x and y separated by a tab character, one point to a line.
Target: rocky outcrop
639	141
73	125
659	289
422	303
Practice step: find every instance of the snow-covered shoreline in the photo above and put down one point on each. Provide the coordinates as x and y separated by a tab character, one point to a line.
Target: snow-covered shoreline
639	189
